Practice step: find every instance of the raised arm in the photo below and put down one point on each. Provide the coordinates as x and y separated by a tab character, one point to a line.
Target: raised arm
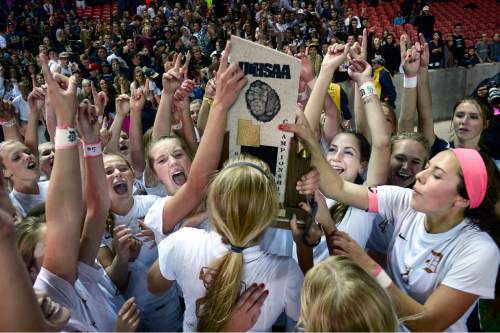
330	184
122	106
410	59
359	52
136	148
333	59
36	100
96	194
64	198
360	72
172	79
424	96
230	81
8	122
181	104
331	125
206	104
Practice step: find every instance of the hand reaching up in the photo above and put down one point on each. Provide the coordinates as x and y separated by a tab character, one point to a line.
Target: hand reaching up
360	71
335	56
87	122
122	105
172	78
36	98
230	81
62	95
137	101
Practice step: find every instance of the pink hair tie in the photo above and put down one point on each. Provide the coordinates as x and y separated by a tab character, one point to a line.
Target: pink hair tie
475	175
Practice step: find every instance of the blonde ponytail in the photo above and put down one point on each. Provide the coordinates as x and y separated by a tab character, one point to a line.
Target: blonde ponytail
242	202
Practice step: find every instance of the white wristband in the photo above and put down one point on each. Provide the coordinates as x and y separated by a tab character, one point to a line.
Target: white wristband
367	89
410	81
66	138
9	123
92	149
382	278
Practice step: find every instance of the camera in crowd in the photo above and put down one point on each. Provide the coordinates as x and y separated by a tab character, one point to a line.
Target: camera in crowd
493	92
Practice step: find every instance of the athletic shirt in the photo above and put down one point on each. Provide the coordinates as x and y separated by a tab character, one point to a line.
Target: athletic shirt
462	258
24	202
138	269
183	254
158	189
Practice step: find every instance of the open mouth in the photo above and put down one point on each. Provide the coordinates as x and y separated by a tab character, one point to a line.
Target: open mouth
31	165
338	169
179	178
403	174
51	161
120	187
123	147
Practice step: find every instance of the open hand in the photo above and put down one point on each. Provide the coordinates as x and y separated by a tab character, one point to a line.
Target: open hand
246	311
128	318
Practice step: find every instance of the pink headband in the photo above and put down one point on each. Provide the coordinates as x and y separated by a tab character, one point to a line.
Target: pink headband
475	175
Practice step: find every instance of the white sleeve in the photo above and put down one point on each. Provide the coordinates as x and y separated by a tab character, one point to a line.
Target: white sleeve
57	288
294	280
475	269
170	253
154	219
394	203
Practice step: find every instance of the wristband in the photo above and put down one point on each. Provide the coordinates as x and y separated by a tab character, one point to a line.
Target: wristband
92	149
65	138
9	123
208	100
381	277
367	89
410	81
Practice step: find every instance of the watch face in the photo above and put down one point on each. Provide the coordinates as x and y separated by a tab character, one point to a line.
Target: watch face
262	101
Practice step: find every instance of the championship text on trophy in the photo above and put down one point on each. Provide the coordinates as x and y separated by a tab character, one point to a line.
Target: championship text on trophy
269	99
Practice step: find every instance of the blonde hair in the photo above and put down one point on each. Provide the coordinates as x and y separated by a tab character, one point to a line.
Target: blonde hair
29	232
242	202
152	144
338	296
417	137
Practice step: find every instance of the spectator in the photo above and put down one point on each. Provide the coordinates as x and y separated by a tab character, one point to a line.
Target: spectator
436	51
458	44
375	50
449	52
425	23
20	103
391	54
471	58
398	19
350	15
383	82
483	48
495	48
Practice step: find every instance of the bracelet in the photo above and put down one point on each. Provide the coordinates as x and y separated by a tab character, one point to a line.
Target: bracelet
367	89
92	149
208	100
381	277
9	123
65	138
410	81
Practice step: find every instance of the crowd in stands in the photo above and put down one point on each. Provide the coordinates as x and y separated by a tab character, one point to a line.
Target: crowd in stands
118	212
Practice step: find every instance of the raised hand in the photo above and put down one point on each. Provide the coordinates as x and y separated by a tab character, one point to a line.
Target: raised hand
301	129
87	122
247	310
100	100
424	51
36	98
122	105
6	111
230	81
335	56
306	71
62	96
172	78
210	89
360	71
359	51
128	317
137	101
104	132
411	61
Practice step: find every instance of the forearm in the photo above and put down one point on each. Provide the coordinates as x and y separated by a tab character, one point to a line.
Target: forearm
203	114
188	130
359	115
315	103
116	128
332	120
136	147
424	105
118	273
11	132
305	257
31	134
162	124
408	108
97	202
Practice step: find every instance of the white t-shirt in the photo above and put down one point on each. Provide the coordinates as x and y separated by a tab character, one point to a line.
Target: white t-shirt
184	253
21	107
462	258
76	298
24	202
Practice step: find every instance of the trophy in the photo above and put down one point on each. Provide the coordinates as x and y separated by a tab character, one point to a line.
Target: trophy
269	99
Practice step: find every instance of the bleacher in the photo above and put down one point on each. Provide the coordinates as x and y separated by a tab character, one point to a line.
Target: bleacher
484	19
99	11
